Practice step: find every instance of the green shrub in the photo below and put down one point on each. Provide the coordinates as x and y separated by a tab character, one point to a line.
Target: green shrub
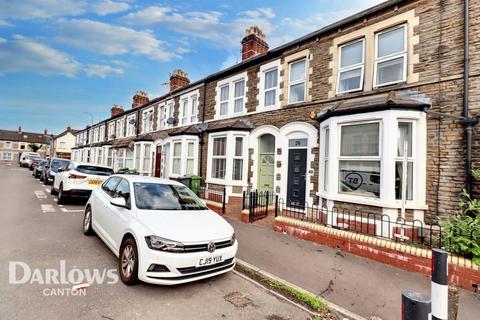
461	233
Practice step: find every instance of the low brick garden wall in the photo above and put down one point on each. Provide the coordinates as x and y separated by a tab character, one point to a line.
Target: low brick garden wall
462	272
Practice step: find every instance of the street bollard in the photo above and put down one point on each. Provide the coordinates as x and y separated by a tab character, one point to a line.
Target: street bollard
415	306
439	285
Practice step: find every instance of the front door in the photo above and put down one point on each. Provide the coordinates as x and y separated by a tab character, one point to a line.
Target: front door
297	170
265	173
158	161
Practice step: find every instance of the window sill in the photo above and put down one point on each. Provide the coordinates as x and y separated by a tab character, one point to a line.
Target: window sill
372	201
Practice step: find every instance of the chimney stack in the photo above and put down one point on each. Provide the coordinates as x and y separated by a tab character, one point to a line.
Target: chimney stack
139	98
253	44
45	132
116	110
69	128
178	79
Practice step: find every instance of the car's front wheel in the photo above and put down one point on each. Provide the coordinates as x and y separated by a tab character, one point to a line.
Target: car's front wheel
87	222
128	262
53	192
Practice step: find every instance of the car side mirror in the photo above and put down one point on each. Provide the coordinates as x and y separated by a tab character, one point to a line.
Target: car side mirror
119	202
60	170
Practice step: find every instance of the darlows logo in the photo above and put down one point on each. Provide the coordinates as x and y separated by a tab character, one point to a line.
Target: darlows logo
77	279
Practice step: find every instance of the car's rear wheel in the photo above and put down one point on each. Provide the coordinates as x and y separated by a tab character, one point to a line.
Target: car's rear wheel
128	262
61	195
87	222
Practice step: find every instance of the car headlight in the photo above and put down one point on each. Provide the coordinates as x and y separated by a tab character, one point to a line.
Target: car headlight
232	239
161	244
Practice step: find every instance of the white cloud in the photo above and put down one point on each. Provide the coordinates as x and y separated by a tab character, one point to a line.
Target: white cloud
110	39
4	23
45	9
106	7
101	71
23	54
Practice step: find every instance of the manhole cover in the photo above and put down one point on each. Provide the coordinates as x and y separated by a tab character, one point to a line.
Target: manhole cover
237	299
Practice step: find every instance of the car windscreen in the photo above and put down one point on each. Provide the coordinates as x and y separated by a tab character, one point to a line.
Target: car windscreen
156	196
57	164
99	171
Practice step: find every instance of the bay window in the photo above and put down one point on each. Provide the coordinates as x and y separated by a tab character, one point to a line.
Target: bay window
100	156
391	56
190	157
177	158
297	81
367	164
141	157
184	155
226	161
109	153
128	158
351	64
219	157
120	159
404	141
238	159
359	165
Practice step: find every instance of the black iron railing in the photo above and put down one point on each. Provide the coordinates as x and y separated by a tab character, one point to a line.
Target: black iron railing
259	203
214	195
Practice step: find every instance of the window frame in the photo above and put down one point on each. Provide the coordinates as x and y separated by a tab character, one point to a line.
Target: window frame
237	98
147	113
393	56
119	128
360	66
388	151
131	127
229	157
177	157
183	140
229	103
296	82
8	145
410	159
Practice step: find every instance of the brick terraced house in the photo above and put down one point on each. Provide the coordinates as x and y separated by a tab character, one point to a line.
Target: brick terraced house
330	118
13	143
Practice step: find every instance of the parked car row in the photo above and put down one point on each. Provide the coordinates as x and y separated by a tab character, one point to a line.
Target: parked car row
161	232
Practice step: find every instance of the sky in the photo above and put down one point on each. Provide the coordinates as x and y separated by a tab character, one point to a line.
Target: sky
66	62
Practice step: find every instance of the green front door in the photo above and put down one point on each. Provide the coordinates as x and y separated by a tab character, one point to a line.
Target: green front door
266	172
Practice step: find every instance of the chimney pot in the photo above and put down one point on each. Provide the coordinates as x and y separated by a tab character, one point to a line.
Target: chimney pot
139	98
178	79
19	129
253	44
116	110
45	132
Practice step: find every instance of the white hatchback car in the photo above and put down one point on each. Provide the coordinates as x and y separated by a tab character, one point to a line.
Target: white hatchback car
78	180
161	232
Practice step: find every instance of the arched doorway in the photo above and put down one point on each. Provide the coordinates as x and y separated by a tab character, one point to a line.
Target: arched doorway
266	162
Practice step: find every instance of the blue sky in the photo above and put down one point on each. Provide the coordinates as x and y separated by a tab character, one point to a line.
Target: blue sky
65	61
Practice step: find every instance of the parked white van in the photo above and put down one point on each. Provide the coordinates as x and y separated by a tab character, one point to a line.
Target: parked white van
26	158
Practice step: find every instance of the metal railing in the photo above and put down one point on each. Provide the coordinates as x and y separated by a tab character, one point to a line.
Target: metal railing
259	203
214	195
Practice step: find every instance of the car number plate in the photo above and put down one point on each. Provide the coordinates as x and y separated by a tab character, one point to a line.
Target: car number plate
97	182
209	261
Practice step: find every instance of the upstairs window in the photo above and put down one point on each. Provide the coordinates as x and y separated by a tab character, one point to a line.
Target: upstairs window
297	81
238	96
131	125
147	121
270	87
7	144
161	117
391	56
169	112
189	109
101	137
119	129
224	100
351	64
111	130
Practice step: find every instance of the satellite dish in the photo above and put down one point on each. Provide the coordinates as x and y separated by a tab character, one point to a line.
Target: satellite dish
202	126
112	137
132	121
171	120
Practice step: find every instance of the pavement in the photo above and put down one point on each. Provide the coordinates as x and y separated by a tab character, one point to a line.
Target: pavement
358	284
40	233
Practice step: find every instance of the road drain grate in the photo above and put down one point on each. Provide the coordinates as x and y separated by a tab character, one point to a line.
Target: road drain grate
237	299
